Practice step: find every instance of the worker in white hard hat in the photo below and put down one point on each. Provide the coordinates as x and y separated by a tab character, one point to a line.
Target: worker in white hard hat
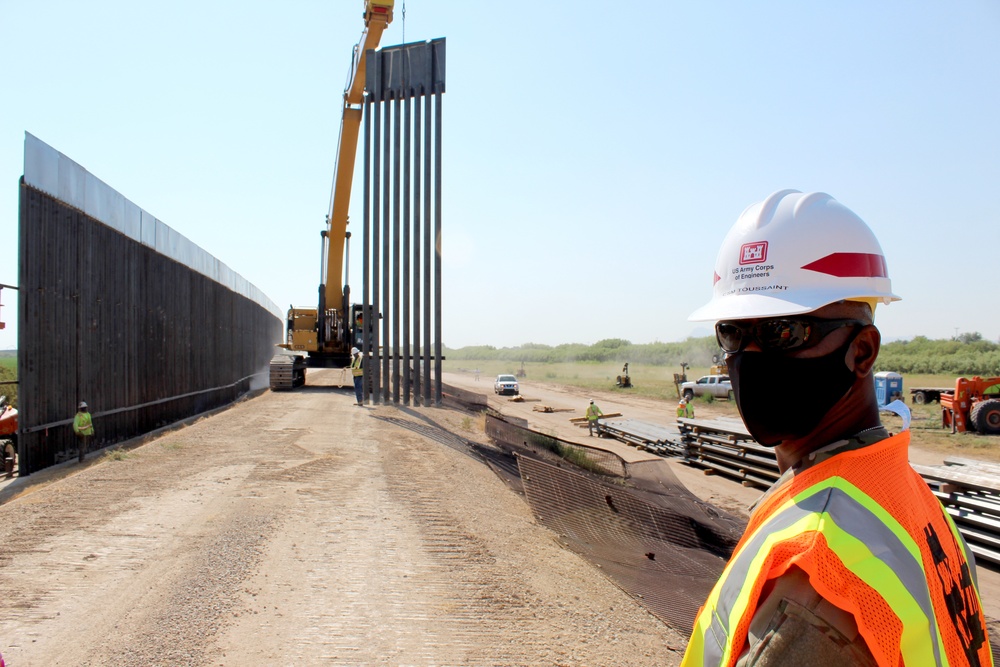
83	427
593	415
848	559
685	409
357	370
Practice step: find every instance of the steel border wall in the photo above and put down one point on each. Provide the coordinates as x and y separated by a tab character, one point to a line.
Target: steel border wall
145	339
402	219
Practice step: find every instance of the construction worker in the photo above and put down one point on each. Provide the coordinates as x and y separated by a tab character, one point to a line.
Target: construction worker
848	559
593	414
357	370
83	426
685	409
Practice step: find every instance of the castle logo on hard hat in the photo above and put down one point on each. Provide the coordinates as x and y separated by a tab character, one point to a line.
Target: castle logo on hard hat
751	253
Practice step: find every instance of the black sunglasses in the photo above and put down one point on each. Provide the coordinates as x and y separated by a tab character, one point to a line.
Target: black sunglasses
777	335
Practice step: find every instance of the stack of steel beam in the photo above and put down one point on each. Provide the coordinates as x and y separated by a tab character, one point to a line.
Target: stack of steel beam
643	435
968	489
970	492
725	447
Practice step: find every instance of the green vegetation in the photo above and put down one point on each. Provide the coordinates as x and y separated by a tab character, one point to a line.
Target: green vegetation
966	355
694	351
117	454
8	373
648	380
575	455
922	362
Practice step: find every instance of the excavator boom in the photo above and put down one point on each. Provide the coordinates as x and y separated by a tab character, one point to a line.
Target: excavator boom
324	333
378	15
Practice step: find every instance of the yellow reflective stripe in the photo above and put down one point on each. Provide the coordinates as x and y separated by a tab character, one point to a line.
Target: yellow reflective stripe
696	653
915	643
871	505
904	537
877	573
806	523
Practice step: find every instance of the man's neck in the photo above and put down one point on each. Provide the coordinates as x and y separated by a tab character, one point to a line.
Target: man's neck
844	420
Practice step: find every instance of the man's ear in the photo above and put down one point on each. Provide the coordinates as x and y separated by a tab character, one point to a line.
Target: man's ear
863	351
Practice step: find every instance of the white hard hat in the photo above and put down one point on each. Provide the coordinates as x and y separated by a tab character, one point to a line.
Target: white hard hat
794	253
82	405
354	350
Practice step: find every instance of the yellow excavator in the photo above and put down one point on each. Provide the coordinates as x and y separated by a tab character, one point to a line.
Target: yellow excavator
323	336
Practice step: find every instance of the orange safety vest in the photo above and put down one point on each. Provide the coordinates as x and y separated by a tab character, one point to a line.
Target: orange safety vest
875	542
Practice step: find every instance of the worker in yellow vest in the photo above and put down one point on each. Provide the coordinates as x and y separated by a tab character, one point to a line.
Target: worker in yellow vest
593	414
685	409
848	559
83	426
358	372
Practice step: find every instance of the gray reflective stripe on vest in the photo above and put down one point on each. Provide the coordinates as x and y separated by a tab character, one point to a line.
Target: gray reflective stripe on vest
853	518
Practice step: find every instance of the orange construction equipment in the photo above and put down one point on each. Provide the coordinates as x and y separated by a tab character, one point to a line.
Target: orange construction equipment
975	406
8	418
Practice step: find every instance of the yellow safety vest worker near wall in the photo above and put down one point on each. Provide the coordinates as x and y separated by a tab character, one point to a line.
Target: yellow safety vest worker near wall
874	541
356	369
83	424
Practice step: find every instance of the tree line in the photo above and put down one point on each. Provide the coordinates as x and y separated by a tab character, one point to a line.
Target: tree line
967	354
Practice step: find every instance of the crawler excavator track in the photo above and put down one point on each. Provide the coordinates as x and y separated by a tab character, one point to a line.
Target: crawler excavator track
287	371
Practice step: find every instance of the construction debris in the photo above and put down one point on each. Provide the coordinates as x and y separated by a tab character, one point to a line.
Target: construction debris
549	408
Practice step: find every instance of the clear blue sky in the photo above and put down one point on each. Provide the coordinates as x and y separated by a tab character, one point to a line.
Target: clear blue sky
596	153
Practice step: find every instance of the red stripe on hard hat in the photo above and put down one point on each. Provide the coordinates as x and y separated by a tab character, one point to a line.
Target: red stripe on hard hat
850	265
716	279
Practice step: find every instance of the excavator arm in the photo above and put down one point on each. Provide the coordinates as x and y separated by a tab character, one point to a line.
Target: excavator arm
378	15
323	333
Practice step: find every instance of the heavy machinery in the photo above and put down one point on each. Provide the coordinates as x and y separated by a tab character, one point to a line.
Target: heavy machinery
8	435
323	336
624	381
718	366
975	406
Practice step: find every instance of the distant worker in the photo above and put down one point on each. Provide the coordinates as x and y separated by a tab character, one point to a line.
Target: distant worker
848	559
358	371
685	409
83	426
593	414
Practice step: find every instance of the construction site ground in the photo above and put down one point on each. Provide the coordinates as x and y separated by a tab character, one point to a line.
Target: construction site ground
297	528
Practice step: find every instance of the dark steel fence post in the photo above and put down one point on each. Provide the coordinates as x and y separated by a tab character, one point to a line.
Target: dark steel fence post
411	189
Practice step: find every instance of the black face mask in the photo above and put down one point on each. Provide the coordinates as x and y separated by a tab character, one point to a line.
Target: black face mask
782	397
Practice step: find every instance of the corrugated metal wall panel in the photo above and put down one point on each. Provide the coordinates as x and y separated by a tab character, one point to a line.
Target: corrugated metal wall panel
145	340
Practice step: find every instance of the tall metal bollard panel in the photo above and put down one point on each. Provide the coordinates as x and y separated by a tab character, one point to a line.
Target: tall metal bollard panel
120	311
402	220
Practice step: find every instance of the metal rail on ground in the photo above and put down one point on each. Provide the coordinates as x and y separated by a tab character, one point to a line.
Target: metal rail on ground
968	489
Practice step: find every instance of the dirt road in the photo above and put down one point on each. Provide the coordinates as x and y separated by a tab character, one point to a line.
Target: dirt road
299	529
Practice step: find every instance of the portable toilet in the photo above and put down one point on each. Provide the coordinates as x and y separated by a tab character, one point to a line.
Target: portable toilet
888	387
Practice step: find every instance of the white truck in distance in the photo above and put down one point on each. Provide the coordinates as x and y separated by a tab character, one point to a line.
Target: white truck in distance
714	385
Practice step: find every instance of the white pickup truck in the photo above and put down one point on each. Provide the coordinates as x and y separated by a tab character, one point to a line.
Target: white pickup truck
714	385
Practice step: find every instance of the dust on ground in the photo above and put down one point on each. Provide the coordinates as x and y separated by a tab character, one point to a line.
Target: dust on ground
297	528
